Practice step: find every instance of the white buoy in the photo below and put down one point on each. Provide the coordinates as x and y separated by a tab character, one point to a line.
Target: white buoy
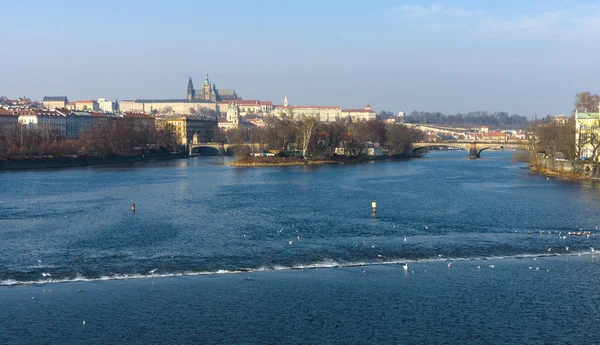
84	323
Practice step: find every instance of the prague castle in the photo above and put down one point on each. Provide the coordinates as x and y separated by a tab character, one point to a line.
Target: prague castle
206	98
209	92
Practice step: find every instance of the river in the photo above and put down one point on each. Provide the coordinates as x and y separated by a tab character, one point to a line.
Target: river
307	230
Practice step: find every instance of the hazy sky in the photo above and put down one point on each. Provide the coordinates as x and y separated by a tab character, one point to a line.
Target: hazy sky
518	56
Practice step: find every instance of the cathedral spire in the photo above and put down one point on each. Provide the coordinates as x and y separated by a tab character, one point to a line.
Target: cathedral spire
206	80
190	90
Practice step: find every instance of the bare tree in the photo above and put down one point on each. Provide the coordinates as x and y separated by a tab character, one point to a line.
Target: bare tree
167	110
307	129
587	102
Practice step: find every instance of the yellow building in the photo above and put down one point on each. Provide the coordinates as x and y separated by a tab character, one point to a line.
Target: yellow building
587	133
186	126
54	102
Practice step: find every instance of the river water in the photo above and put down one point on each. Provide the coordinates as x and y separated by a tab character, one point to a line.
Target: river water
308	231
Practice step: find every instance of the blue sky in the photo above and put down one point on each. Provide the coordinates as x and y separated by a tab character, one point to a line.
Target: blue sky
522	57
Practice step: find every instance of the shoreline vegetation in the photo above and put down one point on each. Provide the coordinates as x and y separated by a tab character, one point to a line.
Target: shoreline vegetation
566	147
249	162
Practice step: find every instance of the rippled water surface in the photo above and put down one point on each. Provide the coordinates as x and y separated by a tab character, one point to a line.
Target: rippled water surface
194	217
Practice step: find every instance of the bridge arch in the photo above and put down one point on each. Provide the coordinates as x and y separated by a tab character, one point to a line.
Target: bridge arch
205	150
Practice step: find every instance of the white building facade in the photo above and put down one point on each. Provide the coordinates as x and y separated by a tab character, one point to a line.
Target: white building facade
106	105
45	121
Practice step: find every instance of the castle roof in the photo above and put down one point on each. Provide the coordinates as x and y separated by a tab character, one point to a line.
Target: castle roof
226	92
170	101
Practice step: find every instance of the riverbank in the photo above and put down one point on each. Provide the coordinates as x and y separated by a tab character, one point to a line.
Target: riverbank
292	161
566	169
69	162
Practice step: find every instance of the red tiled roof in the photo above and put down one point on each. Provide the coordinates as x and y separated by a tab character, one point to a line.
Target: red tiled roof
358	110
71	103
85	101
6	112
307	106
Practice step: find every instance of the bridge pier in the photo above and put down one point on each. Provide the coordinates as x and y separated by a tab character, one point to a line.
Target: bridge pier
473	153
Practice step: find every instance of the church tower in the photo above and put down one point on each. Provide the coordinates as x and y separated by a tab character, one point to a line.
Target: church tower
285	101
233	114
190	90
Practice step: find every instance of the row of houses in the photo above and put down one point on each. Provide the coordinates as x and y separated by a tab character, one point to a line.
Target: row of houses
70	124
61	102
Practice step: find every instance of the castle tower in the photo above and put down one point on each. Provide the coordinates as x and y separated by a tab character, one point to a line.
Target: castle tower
207	96
190	90
285	101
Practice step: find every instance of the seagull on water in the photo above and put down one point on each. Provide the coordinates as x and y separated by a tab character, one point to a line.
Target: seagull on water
405	267
549	249
492	266
46	275
152	271
478	267
290	242
449	264
567	248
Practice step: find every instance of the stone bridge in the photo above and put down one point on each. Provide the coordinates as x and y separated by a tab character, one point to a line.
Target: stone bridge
473	147
218	148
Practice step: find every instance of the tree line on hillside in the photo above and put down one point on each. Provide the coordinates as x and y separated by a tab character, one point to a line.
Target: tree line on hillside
321	139
475	118
104	138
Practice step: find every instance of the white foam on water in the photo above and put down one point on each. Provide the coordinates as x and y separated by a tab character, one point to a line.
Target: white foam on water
328	263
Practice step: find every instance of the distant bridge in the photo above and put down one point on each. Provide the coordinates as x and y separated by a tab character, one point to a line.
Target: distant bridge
473	147
219	148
